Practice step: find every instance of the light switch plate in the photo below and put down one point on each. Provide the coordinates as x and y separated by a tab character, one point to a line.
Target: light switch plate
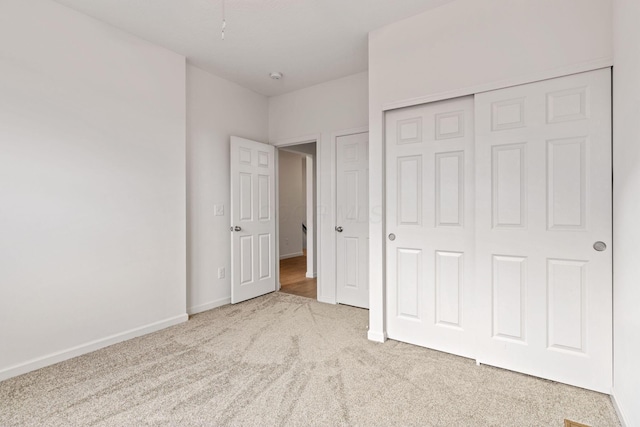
218	210
221	273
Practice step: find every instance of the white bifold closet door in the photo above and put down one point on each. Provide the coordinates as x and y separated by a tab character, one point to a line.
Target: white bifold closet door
498	222
544	283
430	224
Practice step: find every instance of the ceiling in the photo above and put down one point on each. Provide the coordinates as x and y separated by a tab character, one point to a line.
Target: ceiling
309	41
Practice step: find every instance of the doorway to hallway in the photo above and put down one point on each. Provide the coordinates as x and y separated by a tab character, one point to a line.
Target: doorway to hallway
293	278
297	219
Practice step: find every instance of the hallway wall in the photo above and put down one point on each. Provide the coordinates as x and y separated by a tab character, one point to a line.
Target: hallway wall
292	203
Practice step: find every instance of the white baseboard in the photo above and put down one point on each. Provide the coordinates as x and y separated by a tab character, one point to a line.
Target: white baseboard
293	255
377	336
208	306
311	275
621	416
50	359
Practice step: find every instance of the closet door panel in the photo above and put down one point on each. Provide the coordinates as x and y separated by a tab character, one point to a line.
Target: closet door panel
430	225
543	182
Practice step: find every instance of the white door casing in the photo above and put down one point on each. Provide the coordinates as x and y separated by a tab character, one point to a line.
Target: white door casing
352	219
310	216
253	219
543	156
430	225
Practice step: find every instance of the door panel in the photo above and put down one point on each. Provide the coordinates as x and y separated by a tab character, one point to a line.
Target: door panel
543	162
509	190
509	293
352	216
409	191
449	186
449	283
429	217
253	211
409	279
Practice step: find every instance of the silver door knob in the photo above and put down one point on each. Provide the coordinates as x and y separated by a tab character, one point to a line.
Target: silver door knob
339	229
236	228
392	237
599	246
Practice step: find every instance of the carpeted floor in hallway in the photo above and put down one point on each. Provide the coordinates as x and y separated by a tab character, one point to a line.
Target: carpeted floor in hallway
286	360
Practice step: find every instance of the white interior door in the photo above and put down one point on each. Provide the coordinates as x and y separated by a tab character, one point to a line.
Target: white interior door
430	224
352	219
253	226
543	185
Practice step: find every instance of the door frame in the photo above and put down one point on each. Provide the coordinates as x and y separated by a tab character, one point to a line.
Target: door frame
289	142
333	241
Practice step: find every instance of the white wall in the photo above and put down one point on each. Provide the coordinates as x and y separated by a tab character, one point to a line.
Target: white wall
316	113
291	205
216	109
464	47
626	208
92	185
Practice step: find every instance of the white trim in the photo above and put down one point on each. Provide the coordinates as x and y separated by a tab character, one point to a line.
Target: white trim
276	259
376	336
306	139
292	255
334	194
310	212
59	356
350	131
531	78
318	219
311	275
208	306
619	412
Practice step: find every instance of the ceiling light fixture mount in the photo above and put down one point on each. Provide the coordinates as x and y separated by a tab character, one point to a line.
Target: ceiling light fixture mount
224	21
275	75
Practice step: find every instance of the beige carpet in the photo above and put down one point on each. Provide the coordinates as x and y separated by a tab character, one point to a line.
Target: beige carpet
286	360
